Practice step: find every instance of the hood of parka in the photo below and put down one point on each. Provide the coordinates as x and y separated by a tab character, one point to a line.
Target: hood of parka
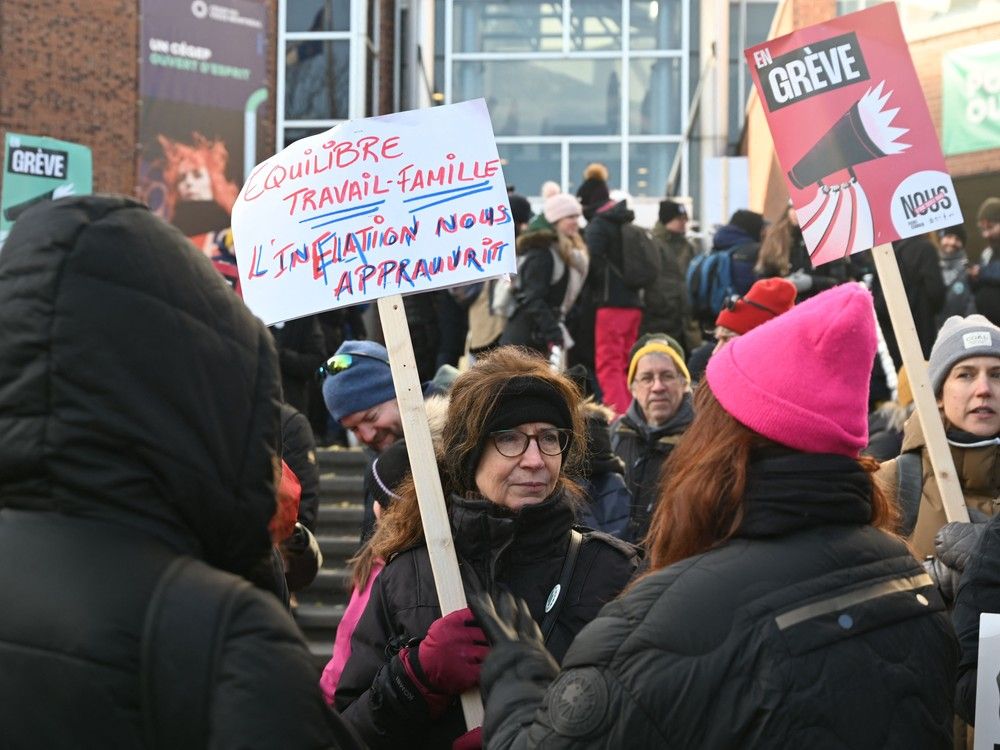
135	386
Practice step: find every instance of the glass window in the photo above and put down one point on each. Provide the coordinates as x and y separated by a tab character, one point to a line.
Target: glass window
656	103
528	165
295	134
318	15
316	80
582	154
508	26
649	167
544	97
595	25
656	24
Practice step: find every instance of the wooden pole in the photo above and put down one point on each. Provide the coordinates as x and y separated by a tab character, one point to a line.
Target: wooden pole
423	467
923	396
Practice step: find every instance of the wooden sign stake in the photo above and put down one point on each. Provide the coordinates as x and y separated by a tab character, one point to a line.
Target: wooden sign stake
923	396
423	467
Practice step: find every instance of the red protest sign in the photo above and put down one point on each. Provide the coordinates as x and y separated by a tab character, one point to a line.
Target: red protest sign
853	133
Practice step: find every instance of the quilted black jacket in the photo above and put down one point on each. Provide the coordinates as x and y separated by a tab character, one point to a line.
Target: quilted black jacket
809	629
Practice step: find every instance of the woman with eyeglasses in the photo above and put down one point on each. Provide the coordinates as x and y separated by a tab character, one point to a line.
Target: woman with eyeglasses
512	437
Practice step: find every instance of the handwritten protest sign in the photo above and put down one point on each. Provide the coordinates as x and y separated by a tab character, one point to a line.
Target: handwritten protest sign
853	133
387	205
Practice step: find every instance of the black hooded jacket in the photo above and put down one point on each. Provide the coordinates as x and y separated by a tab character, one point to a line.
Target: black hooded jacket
138	421
808	629
603	235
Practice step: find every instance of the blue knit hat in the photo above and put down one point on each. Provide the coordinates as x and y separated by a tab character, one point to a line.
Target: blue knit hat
365	383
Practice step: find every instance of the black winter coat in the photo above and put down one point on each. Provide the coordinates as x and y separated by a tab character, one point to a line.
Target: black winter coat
643	449
138	420
978	592
603	234
667	308
299	452
535	320
521	552
809	629
301	350
925	292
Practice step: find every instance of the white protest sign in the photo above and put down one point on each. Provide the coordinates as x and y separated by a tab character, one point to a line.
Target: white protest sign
988	683
386	205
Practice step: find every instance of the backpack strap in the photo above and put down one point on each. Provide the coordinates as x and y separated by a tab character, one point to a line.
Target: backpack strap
909	487
559	595
182	636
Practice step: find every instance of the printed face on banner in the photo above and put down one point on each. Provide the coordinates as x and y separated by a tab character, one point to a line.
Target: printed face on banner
386	205
853	133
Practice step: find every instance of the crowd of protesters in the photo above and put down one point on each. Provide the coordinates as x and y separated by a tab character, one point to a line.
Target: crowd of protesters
676	526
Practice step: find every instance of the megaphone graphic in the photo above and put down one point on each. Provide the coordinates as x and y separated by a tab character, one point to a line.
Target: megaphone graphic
862	134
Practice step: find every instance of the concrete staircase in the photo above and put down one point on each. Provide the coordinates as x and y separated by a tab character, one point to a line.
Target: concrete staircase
338	528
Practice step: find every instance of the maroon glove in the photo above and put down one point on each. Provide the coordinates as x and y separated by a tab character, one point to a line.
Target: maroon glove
471	740
450	655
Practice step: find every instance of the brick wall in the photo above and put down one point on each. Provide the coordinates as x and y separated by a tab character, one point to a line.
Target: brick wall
69	69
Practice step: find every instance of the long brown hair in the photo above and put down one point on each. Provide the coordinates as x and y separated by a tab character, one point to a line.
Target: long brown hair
774	257
472	398
703	482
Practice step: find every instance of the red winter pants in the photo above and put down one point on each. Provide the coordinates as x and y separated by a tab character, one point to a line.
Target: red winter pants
615	330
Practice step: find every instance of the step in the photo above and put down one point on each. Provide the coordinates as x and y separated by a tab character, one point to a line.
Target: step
342	459
341	519
331	585
338	546
336	486
323	617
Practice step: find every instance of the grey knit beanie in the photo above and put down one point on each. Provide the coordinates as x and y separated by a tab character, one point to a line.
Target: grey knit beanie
961	338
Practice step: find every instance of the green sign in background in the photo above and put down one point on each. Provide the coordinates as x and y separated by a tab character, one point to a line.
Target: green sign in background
37	168
970	99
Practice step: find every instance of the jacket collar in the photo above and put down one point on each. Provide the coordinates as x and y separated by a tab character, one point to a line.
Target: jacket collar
636	420
484	531
788	491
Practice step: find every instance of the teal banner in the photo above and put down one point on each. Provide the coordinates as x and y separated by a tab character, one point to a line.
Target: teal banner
38	168
970	99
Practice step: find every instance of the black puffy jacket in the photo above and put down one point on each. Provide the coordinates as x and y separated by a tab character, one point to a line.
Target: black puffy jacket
521	552
535	320
138	419
809	629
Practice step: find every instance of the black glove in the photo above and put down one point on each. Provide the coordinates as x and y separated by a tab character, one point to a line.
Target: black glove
954	544
518	647
302	556
956	541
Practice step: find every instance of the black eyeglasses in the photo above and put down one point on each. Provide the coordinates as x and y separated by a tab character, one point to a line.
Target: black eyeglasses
730	304
512	443
340	362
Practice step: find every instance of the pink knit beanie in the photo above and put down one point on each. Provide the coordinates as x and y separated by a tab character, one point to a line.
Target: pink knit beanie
559	206
802	378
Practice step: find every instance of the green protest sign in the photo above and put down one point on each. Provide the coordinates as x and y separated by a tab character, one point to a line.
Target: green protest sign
970	99
38	168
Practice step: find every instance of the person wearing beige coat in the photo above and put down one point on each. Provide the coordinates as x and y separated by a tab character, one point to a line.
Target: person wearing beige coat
964	371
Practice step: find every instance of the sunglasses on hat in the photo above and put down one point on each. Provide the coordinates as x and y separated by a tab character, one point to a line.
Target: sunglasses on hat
340	362
730	304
